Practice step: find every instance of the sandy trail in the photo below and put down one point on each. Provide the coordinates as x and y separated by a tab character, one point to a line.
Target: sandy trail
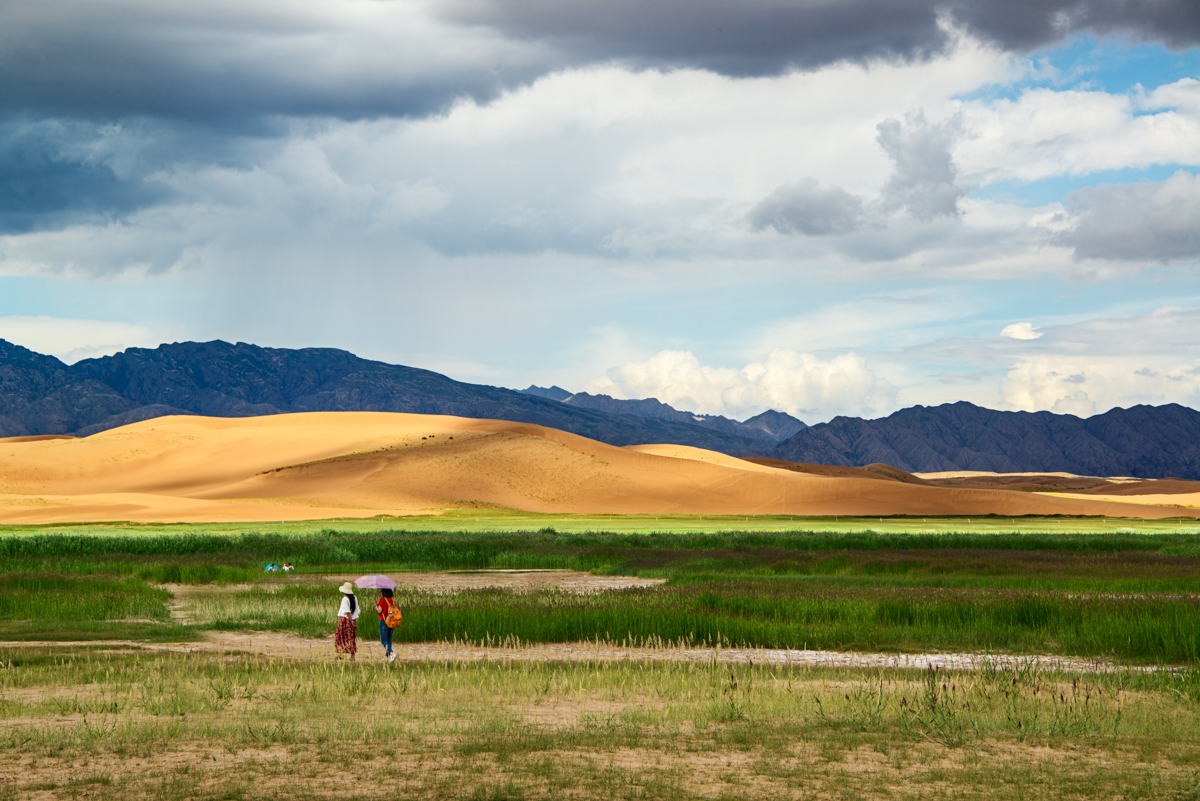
275	645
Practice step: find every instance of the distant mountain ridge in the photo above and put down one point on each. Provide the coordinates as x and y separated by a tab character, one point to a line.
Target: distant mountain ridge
42	395
770	425
553	393
1142	441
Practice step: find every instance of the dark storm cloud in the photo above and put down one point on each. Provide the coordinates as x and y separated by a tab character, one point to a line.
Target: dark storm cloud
1138	222
57	172
48	180
222	61
754	37
761	37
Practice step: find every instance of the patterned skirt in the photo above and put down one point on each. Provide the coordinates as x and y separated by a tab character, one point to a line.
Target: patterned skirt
345	639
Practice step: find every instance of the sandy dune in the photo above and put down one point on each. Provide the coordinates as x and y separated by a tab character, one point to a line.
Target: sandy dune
358	464
1176	491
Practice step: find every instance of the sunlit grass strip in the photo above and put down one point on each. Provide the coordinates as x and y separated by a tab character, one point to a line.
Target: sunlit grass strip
511	521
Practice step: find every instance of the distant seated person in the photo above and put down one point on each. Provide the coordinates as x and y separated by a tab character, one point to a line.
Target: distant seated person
271	568
287	566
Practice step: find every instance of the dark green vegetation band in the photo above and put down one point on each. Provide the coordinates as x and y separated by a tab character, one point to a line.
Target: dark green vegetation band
472	549
1110	595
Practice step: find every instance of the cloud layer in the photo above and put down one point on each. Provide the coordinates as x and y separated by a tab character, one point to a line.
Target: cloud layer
223	61
764	37
1083	387
1136	222
843	207
921	184
797	383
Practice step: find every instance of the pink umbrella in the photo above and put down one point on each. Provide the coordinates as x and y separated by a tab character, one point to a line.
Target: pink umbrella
375	582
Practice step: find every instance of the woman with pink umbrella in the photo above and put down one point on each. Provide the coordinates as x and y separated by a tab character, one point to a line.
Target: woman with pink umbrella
389	613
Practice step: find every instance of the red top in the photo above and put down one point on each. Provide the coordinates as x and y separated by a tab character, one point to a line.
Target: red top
382	607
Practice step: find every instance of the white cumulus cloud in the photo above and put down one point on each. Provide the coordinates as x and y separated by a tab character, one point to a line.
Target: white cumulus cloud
1020	331
1070	385
800	384
1045	132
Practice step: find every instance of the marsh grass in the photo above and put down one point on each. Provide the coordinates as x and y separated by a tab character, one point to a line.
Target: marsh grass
1113	595
791	615
46	605
51	596
212	726
682	551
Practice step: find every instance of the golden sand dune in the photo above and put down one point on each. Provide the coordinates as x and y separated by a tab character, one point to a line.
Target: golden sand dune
708	457
358	464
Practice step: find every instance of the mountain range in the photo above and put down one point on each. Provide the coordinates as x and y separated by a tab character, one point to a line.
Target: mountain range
40	395
770	425
1142	441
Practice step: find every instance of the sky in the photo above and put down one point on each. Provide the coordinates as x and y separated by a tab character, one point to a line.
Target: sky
826	208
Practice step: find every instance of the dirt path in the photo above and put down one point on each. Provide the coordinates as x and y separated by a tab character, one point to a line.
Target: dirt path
276	645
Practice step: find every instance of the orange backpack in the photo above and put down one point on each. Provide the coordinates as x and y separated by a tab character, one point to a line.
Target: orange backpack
392	614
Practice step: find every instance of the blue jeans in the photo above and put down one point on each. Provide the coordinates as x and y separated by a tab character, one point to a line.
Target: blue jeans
385	635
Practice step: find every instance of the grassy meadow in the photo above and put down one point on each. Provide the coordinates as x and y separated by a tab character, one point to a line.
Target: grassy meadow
130	714
205	726
1125	596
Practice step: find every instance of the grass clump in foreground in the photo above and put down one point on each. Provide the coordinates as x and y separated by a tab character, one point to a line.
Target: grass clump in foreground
206	726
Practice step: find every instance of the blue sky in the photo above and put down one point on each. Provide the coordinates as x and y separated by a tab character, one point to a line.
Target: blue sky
824	209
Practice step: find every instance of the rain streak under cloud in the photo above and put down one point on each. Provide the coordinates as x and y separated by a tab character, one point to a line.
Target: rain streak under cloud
821	208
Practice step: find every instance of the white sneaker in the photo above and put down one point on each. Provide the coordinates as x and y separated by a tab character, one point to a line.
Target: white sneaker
391	657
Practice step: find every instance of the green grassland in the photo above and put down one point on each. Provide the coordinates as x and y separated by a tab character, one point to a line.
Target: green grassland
206	726
114	720
1121	595
770	615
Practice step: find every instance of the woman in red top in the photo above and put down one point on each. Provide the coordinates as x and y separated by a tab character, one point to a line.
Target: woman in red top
385	632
